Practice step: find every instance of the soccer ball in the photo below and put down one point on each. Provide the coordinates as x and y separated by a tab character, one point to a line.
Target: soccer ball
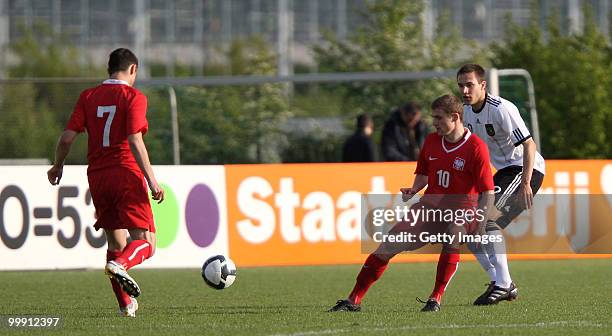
219	272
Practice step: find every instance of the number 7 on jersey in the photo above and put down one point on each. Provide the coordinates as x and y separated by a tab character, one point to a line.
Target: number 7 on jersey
107	127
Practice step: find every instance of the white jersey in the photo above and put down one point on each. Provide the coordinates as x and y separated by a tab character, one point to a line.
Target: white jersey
500	126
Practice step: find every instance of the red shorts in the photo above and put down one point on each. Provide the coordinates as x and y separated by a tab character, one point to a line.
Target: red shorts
121	199
431	225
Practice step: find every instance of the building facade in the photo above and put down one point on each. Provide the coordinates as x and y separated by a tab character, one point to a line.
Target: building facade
193	31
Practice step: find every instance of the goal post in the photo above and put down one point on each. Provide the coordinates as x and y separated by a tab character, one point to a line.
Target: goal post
517	86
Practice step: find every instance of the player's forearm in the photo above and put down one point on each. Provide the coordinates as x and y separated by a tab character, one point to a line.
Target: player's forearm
529	150
64	143
420	182
486	204
61	152
139	150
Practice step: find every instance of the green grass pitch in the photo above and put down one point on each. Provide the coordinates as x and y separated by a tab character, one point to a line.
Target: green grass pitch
559	297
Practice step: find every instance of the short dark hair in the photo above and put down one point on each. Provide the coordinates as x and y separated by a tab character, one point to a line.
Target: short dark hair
449	104
410	108
120	60
363	120
472	67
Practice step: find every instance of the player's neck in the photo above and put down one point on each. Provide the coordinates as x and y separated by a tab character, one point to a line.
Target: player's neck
478	105
456	135
121	77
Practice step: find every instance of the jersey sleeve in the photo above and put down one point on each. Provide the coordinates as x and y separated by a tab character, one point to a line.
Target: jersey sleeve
77	118
482	169
137	115
422	162
512	122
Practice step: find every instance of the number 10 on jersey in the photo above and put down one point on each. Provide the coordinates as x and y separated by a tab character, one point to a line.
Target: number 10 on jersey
443	178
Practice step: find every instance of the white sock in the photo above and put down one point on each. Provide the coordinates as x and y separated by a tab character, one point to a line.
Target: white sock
483	258
497	256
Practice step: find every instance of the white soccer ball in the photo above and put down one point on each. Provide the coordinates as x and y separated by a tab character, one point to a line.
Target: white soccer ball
219	272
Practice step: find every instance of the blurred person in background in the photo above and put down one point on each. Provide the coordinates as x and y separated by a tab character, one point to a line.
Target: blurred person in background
359	147
404	134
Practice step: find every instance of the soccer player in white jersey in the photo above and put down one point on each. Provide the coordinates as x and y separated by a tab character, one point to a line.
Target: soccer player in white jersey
520	171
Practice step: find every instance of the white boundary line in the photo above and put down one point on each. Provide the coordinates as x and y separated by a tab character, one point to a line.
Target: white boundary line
452	326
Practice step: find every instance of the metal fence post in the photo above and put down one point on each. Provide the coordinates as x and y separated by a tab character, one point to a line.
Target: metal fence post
176	147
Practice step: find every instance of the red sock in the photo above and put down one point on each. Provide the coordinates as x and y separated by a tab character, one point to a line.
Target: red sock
447	266
134	253
122	297
372	270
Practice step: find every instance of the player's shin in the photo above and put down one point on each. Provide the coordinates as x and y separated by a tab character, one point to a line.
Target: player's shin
372	270
135	253
496	249
123	299
448	263
483	258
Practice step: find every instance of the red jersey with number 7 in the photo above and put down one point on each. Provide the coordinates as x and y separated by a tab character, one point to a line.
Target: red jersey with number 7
460	168
109	113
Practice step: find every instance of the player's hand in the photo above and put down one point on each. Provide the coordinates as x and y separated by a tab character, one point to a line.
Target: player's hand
526	195
55	174
157	193
407	194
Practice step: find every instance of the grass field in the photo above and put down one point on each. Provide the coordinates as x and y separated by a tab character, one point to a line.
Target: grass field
570	297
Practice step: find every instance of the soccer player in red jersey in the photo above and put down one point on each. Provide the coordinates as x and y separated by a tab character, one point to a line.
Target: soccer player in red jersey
454	165
119	170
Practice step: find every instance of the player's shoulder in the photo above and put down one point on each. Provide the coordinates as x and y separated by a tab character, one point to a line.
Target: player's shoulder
494	100
132	91
433	136
500	103
431	139
89	91
476	143
132	94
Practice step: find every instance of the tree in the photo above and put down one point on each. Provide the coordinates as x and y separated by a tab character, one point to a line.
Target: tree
392	39
235	124
572	81
33	114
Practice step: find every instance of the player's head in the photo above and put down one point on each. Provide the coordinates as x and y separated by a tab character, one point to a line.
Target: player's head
123	61
365	123
410	113
472	83
447	114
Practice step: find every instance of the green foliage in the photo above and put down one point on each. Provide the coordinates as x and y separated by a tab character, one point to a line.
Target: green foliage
236	124
572	81
313	148
33	114
391	40
159	137
29	129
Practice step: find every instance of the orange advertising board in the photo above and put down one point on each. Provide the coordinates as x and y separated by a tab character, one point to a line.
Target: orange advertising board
308	214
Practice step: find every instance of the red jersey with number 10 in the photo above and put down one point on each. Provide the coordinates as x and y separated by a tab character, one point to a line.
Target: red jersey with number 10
460	168
109	113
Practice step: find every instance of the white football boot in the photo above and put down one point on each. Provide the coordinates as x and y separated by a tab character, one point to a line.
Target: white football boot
130	310
115	270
